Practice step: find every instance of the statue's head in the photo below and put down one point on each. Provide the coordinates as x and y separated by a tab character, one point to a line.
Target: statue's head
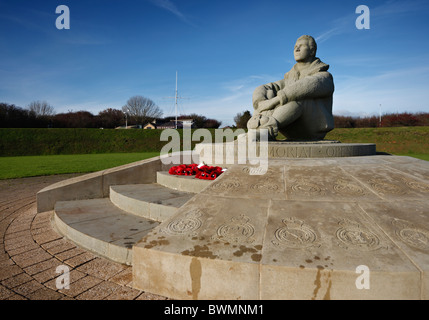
305	49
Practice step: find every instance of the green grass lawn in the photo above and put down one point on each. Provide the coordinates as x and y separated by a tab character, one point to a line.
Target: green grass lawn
405	141
32	166
415	155
400	141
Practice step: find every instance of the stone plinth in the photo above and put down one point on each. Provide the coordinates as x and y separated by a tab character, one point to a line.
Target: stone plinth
240	152
322	149
307	229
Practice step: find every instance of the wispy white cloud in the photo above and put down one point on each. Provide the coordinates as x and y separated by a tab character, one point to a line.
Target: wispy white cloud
341	25
171	7
354	95
328	34
390	9
395	7
84	40
28	24
90	36
396	90
228	98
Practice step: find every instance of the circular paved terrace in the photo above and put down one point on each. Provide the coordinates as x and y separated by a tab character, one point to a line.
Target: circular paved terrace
31	251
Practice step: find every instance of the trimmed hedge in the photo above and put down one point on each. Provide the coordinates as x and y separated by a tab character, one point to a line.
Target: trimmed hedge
29	142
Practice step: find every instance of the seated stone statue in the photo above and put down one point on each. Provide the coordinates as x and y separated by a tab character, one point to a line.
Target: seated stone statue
300	105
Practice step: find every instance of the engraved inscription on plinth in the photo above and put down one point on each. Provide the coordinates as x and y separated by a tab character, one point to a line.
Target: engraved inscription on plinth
416	185
319	150
411	235
307	188
295	234
186	225
237	230
347	188
353	235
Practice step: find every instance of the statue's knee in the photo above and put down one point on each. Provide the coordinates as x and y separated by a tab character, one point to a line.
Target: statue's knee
293	106
287	113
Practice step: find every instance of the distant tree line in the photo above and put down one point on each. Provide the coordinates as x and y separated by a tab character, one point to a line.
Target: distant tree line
200	121
138	111
387	120
12	116
404	119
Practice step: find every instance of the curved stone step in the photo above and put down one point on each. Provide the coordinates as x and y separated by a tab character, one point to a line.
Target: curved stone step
151	201
101	227
182	183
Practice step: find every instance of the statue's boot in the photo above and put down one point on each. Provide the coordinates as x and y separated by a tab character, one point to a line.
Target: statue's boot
260	122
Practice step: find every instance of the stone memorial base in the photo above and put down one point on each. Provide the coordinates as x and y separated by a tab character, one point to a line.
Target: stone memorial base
336	227
235	152
307	229
319	149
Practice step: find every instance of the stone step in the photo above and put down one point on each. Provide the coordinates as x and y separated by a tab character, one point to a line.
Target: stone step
101	227
182	183
152	201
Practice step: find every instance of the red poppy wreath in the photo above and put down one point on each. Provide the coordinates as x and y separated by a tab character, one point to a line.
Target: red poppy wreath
201	171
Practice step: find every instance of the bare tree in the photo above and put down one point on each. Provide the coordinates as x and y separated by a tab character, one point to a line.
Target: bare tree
142	110
110	118
41	108
241	119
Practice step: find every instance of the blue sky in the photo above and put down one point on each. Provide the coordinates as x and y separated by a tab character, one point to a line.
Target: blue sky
222	51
